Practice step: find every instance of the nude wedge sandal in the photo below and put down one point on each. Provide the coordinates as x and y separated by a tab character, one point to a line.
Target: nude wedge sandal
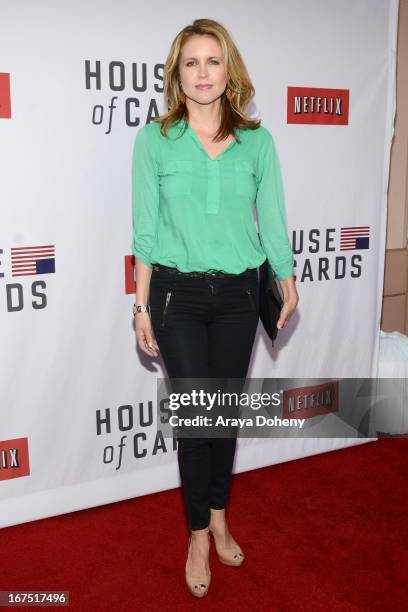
198	584
229	556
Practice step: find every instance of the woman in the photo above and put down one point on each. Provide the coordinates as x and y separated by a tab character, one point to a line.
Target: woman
197	171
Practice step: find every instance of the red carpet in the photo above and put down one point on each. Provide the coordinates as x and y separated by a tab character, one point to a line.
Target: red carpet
327	532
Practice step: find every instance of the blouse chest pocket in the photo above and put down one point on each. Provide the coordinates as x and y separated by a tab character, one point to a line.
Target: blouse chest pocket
176	178
245	182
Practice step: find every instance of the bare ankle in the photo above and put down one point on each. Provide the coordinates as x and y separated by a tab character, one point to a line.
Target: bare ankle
217	516
202	531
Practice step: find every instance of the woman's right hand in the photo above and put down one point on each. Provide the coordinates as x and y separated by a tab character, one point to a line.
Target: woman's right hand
144	334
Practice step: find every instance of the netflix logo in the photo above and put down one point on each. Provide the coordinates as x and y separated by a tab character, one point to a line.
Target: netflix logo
318	105
308	402
5	98
14	461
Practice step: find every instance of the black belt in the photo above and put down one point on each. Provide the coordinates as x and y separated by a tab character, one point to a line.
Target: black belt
214	274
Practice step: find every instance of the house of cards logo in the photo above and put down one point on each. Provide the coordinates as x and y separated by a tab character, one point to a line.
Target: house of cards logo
116	76
25	263
325	254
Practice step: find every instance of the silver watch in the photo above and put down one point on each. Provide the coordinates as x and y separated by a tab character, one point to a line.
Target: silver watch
141	308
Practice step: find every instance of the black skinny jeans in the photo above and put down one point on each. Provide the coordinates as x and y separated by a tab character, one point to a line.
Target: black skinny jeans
205	327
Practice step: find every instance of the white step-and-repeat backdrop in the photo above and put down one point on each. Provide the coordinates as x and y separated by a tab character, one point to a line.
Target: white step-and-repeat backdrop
77	81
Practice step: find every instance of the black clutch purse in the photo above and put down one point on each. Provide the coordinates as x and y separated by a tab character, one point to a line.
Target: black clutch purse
270	299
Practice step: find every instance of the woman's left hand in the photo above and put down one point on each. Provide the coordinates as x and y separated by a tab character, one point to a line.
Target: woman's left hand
290	301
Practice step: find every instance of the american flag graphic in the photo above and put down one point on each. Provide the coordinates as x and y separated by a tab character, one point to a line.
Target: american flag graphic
355	237
27	261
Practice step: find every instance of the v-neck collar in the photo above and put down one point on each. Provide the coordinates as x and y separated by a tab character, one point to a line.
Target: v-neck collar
194	136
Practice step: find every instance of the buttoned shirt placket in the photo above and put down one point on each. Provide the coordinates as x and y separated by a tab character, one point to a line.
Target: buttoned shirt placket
213	173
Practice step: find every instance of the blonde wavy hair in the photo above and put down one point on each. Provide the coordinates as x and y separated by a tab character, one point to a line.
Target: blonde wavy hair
239	90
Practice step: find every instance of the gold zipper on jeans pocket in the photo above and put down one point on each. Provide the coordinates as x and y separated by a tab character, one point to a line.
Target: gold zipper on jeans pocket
251	299
168	296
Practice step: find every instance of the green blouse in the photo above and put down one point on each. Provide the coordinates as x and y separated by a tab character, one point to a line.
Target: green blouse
196	213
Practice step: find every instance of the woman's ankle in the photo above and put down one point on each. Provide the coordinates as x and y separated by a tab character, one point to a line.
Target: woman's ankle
198	532
217	511
218	519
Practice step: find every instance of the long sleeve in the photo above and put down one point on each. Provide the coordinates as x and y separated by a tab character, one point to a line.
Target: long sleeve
271	211
145	196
